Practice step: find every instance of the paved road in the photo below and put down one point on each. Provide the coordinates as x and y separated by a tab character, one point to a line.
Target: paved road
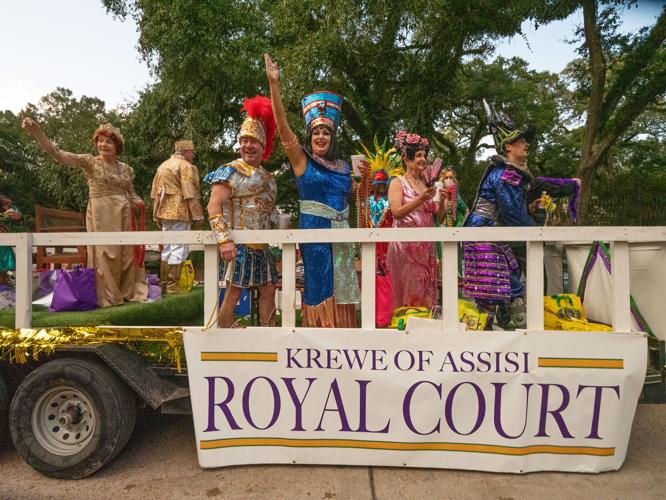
160	462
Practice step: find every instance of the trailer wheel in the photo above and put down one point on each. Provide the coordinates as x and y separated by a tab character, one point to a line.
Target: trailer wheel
70	417
4	408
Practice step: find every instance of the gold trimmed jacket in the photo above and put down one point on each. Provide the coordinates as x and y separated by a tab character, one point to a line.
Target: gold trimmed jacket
176	194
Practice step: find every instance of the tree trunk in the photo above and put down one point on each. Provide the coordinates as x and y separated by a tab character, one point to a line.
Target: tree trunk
606	120
586	171
593	125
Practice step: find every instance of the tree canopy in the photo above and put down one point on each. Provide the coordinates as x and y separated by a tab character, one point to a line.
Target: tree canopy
423	66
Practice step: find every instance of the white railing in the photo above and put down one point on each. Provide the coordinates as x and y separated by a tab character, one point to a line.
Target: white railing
619	237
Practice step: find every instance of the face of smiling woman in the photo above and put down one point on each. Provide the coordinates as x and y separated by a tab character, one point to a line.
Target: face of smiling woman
321	140
106	147
418	164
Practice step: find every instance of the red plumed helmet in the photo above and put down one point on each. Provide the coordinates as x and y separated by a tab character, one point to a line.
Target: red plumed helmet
259	108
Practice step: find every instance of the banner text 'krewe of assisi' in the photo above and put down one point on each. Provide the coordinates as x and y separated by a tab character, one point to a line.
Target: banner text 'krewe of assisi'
494	401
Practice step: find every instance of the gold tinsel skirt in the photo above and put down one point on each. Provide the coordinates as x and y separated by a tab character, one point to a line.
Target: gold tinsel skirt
162	345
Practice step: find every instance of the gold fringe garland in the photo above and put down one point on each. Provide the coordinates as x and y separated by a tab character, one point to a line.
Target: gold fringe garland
154	344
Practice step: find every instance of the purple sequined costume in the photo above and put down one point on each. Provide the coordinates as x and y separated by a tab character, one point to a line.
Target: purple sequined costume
492	274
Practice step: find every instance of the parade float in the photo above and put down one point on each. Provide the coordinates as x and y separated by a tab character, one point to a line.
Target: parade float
432	395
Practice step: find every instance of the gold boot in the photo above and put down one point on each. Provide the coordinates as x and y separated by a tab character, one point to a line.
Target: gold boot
173	276
163	276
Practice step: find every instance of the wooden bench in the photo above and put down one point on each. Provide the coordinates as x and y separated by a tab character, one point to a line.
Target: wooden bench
51	220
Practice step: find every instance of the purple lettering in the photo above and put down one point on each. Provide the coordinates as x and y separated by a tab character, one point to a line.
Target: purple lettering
246	403
356	359
313	357
526	362
407	403
298	403
363	413
497	361
423	359
596	412
410	357
291	359
448	360
511	362
331	357
545	389
498	409
466	361
484	362
222	405
339	408
448	408
378	358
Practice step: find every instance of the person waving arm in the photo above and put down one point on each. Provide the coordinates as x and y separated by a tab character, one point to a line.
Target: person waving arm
70	159
292	148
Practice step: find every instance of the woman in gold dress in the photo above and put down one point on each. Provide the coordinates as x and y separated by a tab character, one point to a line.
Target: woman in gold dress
111	204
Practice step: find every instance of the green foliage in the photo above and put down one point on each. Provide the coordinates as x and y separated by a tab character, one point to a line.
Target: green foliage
18	170
395	62
410	64
70	123
627	75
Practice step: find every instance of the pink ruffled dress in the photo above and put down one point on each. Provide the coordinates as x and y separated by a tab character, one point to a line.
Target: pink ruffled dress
413	265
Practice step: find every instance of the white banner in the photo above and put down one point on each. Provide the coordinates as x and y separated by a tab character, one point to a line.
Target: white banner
492	401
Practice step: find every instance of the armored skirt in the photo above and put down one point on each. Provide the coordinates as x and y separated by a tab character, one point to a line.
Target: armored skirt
331	285
254	265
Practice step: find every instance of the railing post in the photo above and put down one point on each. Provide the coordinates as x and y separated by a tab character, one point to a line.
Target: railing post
450	285
211	282
23	280
534	285
621	286
368	280
288	295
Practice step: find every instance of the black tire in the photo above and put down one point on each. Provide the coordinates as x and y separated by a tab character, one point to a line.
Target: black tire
100	407
4	409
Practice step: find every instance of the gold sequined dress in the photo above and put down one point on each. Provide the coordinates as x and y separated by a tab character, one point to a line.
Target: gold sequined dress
111	193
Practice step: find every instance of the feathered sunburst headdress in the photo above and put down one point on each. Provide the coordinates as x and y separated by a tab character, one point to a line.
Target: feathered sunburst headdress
384	164
260	122
383	159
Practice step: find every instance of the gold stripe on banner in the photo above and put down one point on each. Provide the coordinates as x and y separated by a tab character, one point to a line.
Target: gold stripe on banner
613	364
271	357
398	446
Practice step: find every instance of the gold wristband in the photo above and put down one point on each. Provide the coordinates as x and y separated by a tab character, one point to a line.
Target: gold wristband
293	142
220	228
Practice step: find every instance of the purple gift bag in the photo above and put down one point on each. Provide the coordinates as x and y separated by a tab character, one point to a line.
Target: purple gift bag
46	283
74	290
154	290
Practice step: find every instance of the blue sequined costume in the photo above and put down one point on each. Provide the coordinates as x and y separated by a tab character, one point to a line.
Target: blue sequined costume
329	270
378	207
492	273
